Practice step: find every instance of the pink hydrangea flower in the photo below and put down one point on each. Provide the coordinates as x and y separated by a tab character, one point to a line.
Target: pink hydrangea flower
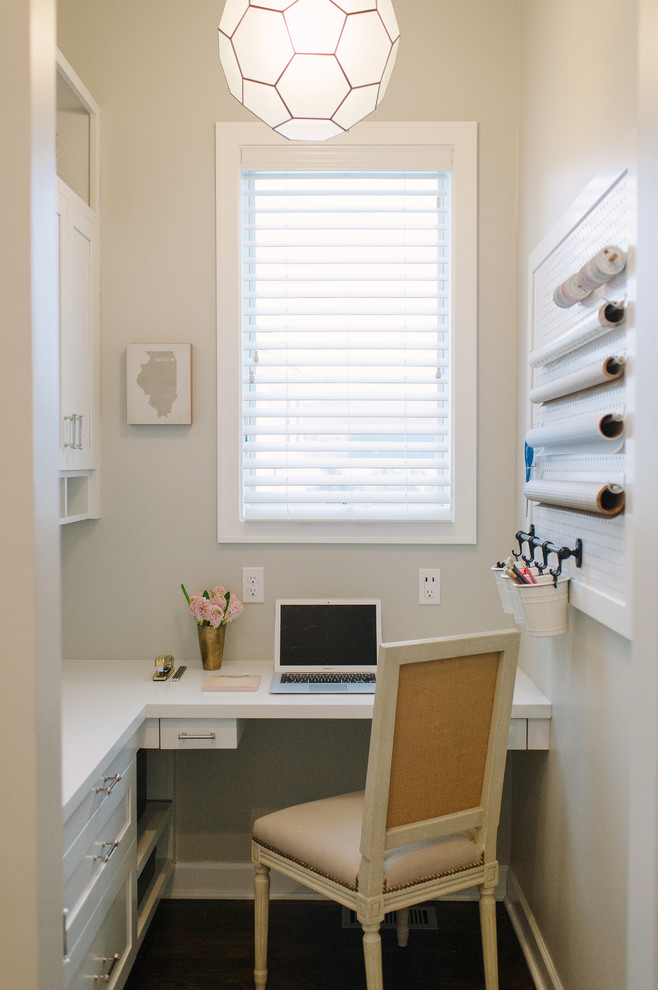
215	607
234	609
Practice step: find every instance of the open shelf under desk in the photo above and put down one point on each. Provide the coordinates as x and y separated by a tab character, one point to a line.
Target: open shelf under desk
153	829
151	899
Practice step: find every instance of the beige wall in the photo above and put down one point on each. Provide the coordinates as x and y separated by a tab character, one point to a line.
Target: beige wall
153	68
570	806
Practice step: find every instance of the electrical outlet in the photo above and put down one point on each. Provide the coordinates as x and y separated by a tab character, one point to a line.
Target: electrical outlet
253	585
429	586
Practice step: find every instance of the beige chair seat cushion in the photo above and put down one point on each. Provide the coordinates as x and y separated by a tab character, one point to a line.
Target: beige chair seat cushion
324	836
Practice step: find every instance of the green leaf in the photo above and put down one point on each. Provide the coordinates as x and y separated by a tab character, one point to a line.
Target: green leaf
185	593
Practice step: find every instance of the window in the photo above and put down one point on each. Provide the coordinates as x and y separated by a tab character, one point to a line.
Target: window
346	335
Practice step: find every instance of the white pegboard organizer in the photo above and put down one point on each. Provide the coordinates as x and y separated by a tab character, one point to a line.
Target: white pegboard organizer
601	216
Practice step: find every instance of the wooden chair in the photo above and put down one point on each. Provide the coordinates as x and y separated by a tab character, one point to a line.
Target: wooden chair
426	824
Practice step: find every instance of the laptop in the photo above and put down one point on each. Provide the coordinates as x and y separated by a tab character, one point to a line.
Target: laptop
327	646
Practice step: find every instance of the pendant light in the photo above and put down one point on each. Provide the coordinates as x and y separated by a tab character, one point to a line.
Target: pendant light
310	69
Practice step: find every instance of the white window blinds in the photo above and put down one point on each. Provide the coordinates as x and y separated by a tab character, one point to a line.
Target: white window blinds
346	409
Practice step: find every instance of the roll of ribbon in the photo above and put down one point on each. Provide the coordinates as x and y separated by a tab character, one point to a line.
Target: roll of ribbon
602	267
570	293
605	264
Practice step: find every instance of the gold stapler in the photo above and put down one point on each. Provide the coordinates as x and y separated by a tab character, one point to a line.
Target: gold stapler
164	667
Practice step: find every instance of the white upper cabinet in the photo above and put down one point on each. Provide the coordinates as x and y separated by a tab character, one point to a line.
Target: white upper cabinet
79	331
78	122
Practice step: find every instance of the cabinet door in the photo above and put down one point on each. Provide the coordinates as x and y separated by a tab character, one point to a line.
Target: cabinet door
79	331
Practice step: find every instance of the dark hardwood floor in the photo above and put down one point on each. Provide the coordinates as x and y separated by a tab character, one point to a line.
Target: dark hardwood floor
208	945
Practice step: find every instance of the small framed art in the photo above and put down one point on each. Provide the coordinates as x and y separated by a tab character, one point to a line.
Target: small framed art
159	384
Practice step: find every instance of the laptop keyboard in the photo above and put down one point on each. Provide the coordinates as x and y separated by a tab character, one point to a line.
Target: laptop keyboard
320	678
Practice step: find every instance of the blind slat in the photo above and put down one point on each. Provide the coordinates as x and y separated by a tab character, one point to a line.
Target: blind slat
346	495
322	429
351	446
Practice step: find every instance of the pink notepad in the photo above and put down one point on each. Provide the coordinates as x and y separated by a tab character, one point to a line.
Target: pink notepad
232	682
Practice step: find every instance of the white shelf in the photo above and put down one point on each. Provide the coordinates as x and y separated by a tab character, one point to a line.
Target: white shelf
146	909
79	496
151	827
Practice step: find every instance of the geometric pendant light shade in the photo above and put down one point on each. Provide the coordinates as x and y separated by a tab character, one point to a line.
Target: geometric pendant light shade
310	69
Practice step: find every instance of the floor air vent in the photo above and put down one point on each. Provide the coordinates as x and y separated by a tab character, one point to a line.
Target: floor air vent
422	917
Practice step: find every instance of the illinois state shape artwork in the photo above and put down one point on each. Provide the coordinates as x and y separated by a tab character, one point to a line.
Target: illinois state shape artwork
158	380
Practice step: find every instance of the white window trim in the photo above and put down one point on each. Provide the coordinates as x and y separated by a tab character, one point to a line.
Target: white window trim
461	138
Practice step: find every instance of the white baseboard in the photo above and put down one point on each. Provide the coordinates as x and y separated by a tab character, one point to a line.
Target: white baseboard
235	881
230	881
537	956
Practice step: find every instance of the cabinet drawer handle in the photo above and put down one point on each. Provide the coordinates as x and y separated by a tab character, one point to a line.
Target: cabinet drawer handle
65	918
74	431
107	788
69	431
105	857
112	960
190	735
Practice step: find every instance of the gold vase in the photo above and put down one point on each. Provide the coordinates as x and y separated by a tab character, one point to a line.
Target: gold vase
211	644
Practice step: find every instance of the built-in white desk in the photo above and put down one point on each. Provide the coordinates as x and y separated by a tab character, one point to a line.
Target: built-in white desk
106	702
117	860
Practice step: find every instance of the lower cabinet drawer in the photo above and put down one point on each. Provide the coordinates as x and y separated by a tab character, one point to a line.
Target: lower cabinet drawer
89	867
200	733
101	798
105	949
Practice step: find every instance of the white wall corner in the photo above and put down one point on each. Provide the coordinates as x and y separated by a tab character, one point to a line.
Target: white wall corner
535	950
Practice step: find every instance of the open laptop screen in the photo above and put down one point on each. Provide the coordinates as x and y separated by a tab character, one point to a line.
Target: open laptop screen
339	635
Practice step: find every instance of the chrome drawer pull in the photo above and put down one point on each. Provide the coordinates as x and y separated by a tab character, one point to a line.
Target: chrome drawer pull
112	960
189	735
65	918
109	787
77	439
104	845
73	429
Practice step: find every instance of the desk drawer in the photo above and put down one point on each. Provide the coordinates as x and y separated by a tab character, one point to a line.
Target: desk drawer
200	733
518	734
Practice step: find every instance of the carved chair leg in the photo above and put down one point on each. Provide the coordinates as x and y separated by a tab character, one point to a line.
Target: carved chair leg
372	955
489	938
261	917
402	925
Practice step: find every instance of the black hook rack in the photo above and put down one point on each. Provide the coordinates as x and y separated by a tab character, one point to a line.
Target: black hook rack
547	548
